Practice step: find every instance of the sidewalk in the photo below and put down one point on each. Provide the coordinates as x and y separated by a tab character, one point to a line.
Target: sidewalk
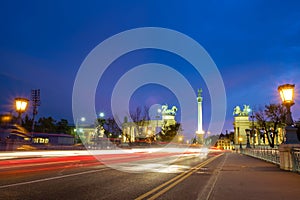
243	177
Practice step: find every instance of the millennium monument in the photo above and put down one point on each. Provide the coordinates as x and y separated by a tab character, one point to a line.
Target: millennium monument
200	132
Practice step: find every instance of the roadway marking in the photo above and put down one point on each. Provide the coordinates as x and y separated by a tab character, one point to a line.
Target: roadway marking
174	181
53	178
206	192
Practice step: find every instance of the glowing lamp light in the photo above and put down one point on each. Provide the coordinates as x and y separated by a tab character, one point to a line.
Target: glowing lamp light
101	114
287	96
149	132
6	118
240	141
21	105
287	93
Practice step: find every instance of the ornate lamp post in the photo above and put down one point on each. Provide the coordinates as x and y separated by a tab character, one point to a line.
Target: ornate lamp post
287	96
20	106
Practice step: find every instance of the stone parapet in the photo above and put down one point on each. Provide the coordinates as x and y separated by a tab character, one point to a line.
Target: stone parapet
286	157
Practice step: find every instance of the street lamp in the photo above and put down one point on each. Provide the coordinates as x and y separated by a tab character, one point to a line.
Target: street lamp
248	140
77	129
20	107
157	118
240	141
287	96
286	92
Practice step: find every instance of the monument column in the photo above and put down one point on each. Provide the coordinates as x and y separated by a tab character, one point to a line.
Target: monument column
200	132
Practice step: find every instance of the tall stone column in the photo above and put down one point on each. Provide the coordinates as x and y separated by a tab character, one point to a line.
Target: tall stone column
200	132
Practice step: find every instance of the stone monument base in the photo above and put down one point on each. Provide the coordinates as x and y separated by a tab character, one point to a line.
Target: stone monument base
286	159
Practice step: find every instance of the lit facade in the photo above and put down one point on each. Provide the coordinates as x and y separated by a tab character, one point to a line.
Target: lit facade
242	122
139	131
224	143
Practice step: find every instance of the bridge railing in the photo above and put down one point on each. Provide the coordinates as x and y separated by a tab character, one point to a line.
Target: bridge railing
264	153
273	155
296	159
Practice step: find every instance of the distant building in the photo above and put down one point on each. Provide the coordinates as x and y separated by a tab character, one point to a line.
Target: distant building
52	138
224	143
242	123
15	133
139	131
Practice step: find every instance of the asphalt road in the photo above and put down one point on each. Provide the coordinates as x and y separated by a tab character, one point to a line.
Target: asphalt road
141	176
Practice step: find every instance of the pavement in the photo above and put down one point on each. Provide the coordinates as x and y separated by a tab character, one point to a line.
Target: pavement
233	176
242	177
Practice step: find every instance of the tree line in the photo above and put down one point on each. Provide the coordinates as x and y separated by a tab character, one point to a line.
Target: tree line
47	125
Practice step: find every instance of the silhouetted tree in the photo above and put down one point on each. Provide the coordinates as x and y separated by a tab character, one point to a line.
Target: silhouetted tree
140	118
112	127
62	126
269	120
168	132
46	125
27	123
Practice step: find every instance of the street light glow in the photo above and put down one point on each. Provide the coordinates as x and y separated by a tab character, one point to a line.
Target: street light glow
82	119
287	96
21	104
101	114
287	93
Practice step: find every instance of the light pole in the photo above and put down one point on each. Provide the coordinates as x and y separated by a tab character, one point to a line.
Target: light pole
253	132
78	129
157	118
36	101
248	141
20	107
240	141
286	92
101	122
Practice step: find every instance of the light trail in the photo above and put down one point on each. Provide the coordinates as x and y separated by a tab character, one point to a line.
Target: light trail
52	178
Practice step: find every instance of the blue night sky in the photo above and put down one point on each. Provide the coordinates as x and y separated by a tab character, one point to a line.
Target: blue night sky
255	45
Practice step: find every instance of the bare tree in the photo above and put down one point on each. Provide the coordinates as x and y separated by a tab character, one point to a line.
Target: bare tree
269	120
140	118
112	127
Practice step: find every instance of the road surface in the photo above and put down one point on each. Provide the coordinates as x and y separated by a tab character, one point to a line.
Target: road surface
119	176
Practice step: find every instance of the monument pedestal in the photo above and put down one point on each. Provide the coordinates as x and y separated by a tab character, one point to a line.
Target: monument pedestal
286	158
200	137
285	150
